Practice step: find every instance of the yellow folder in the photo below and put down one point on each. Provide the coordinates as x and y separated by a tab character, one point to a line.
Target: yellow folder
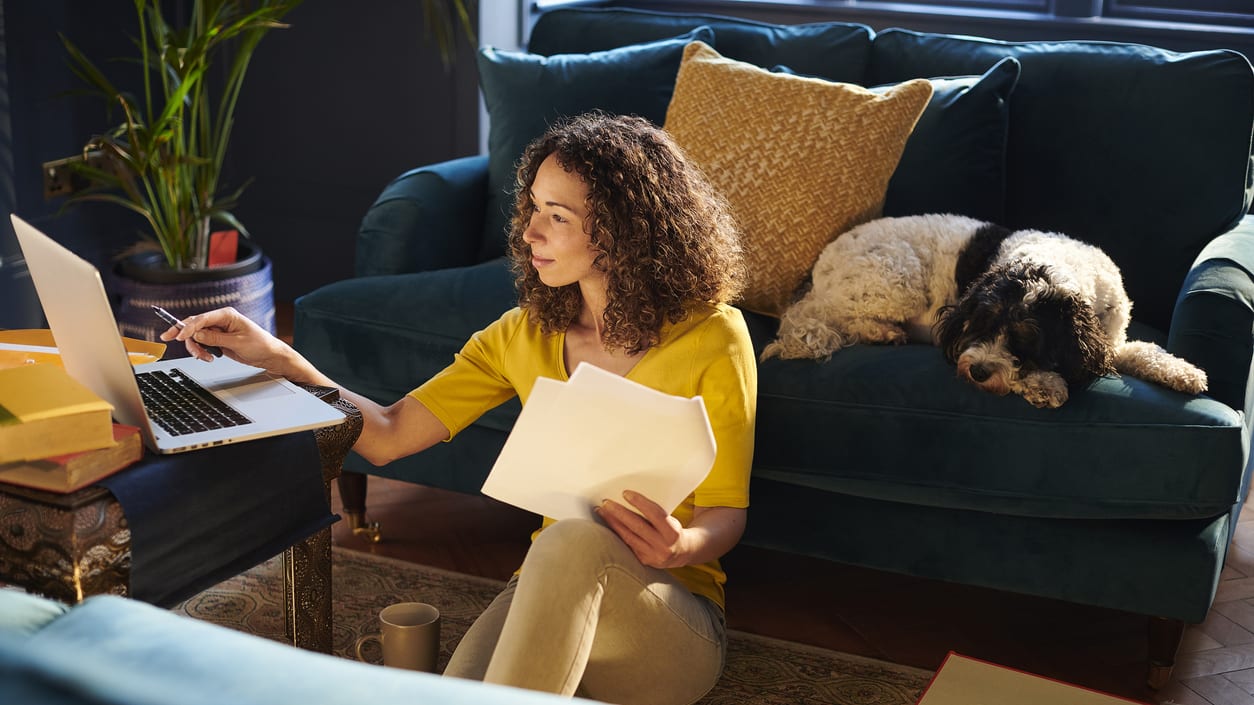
30	346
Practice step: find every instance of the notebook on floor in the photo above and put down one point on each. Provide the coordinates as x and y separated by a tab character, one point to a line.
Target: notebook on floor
207	403
962	680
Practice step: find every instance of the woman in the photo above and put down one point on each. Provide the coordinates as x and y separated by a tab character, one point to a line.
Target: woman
625	258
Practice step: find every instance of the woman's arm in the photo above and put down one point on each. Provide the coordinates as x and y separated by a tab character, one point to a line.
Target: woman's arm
659	540
388	432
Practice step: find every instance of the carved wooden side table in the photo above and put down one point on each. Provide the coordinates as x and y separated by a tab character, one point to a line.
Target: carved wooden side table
71	546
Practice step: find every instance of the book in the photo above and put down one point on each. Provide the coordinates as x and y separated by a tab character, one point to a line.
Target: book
581	441
45	412
962	680
74	471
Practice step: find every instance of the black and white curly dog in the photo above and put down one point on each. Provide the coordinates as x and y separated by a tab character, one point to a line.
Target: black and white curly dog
1027	312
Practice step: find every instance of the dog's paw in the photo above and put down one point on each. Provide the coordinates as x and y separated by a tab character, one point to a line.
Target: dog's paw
1045	391
1151	363
876	331
1193	380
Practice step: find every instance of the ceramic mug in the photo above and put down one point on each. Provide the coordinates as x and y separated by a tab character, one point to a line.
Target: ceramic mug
409	635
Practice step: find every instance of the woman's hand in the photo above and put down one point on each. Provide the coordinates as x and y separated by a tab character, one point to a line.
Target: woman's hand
241	340
653	535
660	541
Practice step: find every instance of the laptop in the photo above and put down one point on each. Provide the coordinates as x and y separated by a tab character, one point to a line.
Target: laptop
206	403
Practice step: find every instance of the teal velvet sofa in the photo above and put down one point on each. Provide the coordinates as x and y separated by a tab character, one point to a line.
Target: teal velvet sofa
1123	498
109	650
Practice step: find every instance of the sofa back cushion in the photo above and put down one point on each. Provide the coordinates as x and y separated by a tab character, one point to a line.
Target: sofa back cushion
955	160
1142	151
525	93
837	51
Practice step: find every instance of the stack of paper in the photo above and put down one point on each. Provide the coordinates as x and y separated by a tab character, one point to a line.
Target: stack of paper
579	442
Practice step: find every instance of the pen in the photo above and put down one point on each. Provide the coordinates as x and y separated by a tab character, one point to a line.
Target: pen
169	318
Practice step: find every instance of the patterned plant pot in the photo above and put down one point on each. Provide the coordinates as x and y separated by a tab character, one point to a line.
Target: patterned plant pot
137	285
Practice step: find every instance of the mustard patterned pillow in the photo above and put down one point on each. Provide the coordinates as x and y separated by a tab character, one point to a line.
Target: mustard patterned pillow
800	160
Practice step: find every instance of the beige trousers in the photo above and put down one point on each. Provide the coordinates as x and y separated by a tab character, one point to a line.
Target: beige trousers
585	617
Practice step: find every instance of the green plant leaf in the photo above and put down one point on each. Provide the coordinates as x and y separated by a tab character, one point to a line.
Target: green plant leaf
438	18
171	144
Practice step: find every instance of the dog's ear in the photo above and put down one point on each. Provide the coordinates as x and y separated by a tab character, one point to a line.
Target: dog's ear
979	312
958	324
1069	325
947	331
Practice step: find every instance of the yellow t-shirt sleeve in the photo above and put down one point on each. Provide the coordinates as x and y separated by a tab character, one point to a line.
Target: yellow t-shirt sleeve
728	386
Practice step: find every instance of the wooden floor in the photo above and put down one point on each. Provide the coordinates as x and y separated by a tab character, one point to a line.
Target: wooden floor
855	610
881	615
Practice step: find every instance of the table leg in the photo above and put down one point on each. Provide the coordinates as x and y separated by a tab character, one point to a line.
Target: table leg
307	593
307	565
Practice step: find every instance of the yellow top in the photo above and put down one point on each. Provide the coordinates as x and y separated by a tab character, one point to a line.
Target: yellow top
708	354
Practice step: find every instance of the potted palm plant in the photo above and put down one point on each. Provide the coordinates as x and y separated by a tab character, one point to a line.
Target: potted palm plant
164	160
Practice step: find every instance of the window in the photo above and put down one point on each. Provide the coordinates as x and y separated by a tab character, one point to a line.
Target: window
1022	5
1219	12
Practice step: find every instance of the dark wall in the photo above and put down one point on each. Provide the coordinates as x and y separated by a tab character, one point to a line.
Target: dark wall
44	124
332	109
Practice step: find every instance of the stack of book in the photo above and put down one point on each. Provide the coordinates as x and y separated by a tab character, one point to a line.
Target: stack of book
55	434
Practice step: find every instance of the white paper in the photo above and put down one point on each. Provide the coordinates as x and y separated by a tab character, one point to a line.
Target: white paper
579	442
136	357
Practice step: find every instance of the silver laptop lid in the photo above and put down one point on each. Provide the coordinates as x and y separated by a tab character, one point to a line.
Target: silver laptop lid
74	300
78	311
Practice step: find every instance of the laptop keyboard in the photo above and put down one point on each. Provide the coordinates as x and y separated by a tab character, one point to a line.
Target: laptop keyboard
180	406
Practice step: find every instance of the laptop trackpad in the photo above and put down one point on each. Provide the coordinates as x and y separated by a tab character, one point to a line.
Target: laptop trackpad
258	387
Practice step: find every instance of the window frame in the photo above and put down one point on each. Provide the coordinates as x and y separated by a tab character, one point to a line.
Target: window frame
1213	12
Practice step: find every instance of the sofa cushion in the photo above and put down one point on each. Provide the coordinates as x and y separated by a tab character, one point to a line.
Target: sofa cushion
118	651
525	93
955	160
794	183
836	51
895	423
23	613
1104	140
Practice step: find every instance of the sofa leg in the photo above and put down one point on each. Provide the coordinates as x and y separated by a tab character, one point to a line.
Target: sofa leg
353	496
1164	639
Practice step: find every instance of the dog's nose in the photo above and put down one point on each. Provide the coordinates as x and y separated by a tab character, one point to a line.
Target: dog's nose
979	373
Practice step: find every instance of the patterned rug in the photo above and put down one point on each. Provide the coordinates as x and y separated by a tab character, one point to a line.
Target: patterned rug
760	670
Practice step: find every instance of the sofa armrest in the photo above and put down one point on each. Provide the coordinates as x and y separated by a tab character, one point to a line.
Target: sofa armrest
114	651
427	218
1213	322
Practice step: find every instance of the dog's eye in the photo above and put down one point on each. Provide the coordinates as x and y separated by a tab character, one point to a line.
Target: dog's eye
1016	363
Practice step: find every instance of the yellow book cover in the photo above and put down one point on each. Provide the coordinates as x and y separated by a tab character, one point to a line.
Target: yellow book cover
963	680
74	471
45	412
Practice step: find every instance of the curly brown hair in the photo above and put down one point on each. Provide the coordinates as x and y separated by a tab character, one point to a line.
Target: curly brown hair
664	237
